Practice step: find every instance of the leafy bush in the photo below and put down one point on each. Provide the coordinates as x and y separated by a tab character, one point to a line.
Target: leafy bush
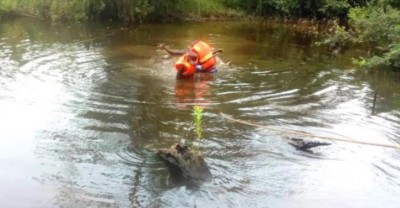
379	27
296	8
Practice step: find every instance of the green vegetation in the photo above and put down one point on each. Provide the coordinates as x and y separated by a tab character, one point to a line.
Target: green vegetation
296	8
132	11
198	126
377	28
155	10
197	119
136	11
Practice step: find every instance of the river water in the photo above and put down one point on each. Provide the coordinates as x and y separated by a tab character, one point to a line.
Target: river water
83	107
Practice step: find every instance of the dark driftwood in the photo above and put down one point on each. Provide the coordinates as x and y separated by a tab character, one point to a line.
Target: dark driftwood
304	145
182	157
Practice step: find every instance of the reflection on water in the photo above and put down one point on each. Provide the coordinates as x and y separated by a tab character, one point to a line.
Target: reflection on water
194	91
84	108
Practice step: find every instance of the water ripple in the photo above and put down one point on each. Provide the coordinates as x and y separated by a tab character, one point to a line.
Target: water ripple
139	157
87	120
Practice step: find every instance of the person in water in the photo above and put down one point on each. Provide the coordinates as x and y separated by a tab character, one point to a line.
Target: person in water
198	58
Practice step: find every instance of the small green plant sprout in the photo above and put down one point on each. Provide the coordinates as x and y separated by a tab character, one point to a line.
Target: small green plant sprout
197	119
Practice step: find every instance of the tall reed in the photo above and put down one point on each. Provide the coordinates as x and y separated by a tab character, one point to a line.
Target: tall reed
198	125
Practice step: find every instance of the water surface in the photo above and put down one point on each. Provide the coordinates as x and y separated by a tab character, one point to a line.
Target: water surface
83	108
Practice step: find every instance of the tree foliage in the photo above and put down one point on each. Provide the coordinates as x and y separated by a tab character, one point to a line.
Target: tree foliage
132	11
140	10
296	8
377	27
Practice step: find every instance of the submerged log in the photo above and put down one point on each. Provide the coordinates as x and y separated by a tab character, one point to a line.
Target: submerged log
190	164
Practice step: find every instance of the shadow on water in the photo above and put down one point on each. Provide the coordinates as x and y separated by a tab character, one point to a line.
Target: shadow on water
95	102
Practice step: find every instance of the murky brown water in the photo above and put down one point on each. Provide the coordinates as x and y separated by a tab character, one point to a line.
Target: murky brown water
82	108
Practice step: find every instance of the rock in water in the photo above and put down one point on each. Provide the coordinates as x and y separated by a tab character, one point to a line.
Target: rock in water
192	165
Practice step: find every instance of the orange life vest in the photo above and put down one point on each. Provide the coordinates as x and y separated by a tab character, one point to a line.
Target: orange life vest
204	54
183	64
